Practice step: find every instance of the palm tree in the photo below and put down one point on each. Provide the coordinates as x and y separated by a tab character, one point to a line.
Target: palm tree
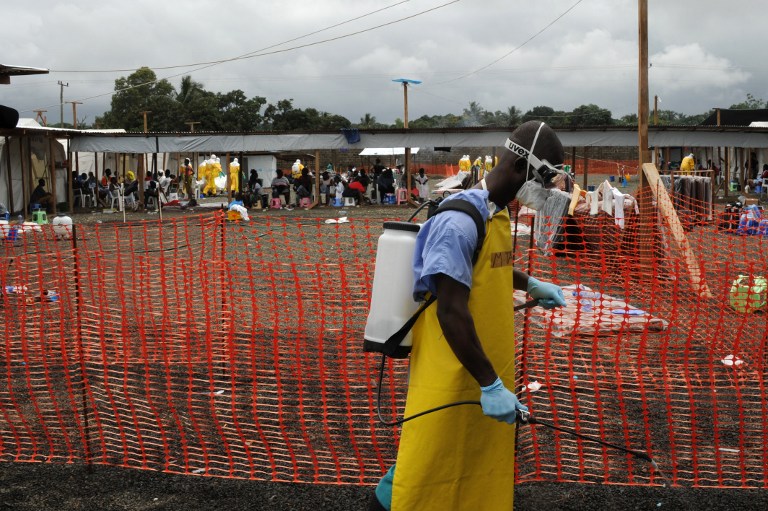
367	121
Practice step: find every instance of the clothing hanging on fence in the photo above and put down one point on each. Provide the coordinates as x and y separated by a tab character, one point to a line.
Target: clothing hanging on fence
693	193
548	224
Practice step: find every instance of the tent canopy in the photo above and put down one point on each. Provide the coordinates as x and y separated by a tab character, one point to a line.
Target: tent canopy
386	151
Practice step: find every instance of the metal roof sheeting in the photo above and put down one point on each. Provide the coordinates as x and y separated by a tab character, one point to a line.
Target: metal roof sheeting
264	142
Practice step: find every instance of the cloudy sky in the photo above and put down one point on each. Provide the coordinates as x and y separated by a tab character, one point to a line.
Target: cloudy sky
703	53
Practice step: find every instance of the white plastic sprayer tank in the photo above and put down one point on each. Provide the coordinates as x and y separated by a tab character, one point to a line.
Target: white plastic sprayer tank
392	301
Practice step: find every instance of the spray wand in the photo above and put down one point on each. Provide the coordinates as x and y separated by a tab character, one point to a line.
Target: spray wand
524	417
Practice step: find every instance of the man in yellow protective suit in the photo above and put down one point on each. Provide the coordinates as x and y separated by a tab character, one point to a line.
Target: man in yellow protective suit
462	458
211	173
687	165
234	175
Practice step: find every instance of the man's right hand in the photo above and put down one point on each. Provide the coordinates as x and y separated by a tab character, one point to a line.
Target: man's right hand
501	404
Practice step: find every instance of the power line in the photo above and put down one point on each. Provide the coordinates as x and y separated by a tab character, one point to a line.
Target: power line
239	57
337	38
513	50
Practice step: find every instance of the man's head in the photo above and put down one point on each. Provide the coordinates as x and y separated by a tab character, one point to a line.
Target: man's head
41	182
186	161
279	173
421	171
530	146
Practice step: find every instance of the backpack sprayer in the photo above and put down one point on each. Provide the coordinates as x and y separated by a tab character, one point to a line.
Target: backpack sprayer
393	312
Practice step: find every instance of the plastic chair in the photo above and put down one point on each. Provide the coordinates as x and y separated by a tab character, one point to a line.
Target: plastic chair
402	195
85	198
276	203
305	202
349	201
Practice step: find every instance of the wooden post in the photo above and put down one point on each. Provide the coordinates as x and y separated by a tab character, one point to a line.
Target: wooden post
573	160
727	170
668	213
642	99
70	183
586	166
646	235
24	194
666	157
53	172
140	172
10	181
317	181
229	180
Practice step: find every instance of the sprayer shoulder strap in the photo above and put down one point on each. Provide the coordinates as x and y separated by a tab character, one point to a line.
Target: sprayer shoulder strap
391	344
464	206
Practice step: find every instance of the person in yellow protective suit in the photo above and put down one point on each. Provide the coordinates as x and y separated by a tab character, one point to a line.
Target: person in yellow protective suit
296	169
234	176
462	458
202	173
211	173
488	165
687	165
465	163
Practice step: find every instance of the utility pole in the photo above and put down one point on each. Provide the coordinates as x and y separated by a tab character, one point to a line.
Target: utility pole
41	117
642	99
144	113
192	125
61	102
74	112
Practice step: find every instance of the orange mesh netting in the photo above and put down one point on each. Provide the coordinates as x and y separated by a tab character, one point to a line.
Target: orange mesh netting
203	346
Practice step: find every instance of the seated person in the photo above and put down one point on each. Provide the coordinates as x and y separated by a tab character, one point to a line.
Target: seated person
325	186
131	185
254	183
40	196
386	183
151	191
355	189
281	186
165	181
303	185
237	201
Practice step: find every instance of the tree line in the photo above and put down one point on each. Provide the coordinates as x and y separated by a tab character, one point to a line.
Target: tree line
170	109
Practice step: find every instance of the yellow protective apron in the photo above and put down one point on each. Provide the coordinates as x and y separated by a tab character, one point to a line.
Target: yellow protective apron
458	458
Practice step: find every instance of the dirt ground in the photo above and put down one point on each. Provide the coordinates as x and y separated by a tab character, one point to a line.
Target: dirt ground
37	486
50	487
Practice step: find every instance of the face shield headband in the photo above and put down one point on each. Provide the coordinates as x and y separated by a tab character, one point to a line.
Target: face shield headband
544	173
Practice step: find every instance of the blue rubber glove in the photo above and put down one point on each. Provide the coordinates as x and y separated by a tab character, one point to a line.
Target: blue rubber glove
549	295
500	403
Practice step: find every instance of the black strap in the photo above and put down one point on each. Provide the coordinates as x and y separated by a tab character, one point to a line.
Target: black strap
391	344
458	204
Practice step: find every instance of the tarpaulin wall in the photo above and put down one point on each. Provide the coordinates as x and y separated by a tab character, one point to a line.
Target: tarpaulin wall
201	346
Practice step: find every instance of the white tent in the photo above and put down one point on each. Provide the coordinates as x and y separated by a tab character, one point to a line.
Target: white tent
386	151
36	156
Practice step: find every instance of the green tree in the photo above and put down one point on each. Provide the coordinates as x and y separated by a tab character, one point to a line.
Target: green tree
539	113
369	121
238	113
628	120
140	91
752	103
589	115
473	115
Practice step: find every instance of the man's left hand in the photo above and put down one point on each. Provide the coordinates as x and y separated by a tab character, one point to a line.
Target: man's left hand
549	295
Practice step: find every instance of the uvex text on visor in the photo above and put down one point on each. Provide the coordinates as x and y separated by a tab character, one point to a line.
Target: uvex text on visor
544	173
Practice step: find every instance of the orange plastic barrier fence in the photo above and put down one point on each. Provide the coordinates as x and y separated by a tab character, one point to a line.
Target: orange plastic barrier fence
202	346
